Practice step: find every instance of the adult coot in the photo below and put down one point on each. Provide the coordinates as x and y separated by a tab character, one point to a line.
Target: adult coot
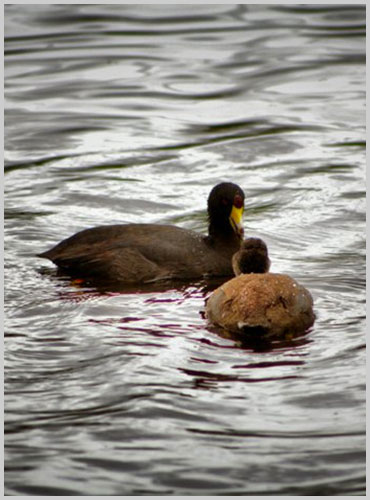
260	303
139	253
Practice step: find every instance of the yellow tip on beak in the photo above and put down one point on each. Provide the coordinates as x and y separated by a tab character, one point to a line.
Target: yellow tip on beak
236	220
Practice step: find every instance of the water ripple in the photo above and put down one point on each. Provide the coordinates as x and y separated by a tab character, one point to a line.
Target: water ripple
124	114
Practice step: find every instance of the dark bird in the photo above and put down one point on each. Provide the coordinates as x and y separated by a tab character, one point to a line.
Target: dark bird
251	258
260	303
140	253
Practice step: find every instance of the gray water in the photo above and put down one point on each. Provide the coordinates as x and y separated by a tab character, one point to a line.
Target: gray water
124	113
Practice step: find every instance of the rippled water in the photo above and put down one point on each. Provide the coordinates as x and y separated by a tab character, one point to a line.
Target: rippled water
131	113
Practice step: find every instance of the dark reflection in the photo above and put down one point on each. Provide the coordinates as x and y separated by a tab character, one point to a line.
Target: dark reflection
243	129
251	340
207	380
206	136
336	9
92	287
16	165
254	341
127	390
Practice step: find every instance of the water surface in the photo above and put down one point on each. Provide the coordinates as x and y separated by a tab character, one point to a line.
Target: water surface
132	113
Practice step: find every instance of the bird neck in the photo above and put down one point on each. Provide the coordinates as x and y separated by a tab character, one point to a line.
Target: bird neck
222	234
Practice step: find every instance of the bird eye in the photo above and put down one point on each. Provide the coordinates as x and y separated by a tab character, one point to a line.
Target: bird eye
224	201
238	201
